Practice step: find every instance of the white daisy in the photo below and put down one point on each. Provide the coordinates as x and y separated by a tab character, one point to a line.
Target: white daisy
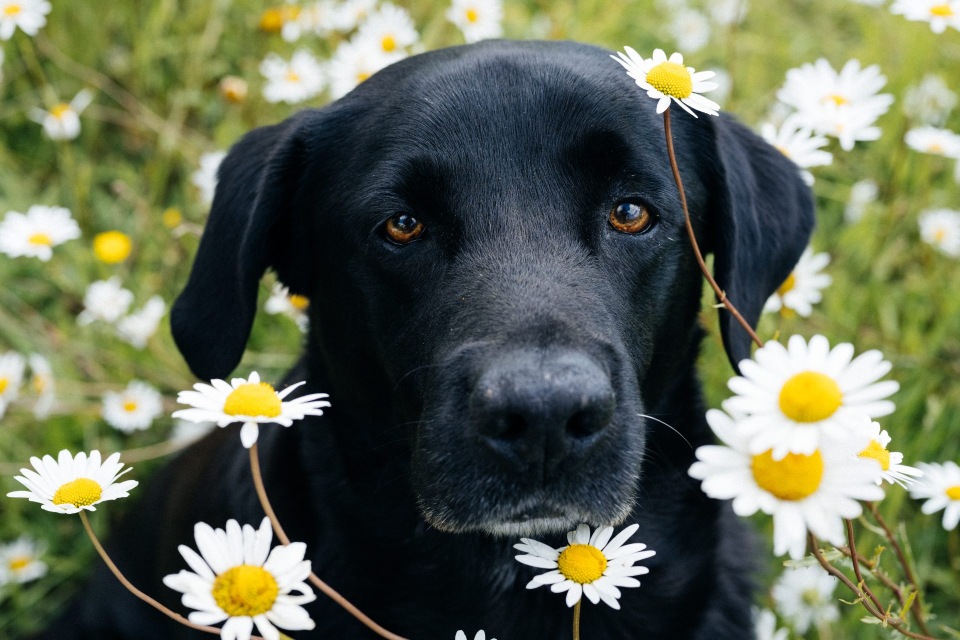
844	104
389	28
353	62
62	121
301	78
480	636
870	3
477	19
798	142
237	579
138	327
796	396
941	228
862	194
728	12
804	597
20	561
349	14
930	101
133	409
595	565
690	29
765	626
934	140
290	305
42	384
71	484
812	492
105	300
315	18
801	290
940	487
35	233
185	431
665	79
248	401
939	13
891	462
29	15
12	365
205	178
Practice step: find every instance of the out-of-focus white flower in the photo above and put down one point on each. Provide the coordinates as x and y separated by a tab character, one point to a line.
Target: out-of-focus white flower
205	178
871	3
765	626
724	84
940	14
804	597
349	14
891	462
290	305
62	121
35	233
934	140
353	62
29	15
301	78
862	195
133	409
12	366
801	290
138	327
42	384
941	228
186	431
20	561
477	19
929	102
728	12
316	18
940	487
390	29
690	30
844	105
105	300
798	142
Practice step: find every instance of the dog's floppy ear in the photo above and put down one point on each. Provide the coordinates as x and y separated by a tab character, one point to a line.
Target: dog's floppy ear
248	231
761	220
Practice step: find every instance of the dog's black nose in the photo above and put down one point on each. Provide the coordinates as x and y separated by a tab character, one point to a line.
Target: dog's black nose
536	408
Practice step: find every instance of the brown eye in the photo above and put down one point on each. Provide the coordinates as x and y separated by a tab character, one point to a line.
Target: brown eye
629	217
403	228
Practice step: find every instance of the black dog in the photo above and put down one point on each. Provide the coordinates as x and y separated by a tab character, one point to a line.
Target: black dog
501	292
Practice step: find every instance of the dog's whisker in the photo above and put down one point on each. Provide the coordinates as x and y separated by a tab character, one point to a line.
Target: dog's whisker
672	428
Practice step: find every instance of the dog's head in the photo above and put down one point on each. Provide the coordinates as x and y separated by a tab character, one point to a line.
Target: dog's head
494	250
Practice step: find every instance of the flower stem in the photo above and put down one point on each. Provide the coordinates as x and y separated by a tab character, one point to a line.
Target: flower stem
856	566
329	591
721	295
576	619
140	594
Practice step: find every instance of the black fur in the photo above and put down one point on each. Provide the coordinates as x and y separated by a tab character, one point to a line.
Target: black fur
494	372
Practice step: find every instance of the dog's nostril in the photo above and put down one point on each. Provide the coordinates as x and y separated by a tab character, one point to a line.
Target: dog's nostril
586	422
509	427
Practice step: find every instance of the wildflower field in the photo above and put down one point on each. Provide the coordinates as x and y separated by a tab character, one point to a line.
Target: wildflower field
113	120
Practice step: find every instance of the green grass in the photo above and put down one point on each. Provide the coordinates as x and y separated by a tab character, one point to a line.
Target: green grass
154	67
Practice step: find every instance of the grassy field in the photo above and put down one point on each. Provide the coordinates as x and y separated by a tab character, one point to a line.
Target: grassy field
154	68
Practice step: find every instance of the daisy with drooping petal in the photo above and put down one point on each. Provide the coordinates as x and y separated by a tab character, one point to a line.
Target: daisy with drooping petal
940	14
799	144
801	290
133	409
292	81
667	79
765	626
796	396
930	101
29	15
891	462
20	561
42	384
35	233
12	365
477	19
804	596
941	228
595	565
138	327
71	484
62	121
289	304
248	401
940	487
813	491
353	62
934	140
205	178
238	580
480	636
105	300
390	29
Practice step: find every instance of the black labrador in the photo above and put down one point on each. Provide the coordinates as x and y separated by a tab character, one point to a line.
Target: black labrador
503	309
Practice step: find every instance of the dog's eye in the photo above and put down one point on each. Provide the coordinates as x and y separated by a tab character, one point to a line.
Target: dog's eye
630	217
403	228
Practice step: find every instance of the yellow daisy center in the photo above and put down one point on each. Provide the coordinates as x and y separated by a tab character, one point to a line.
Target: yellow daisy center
788	284
245	590
111	247
253	399
940	234
293	76
582	563
271	20
299	302
129	406
671	79
81	492
12	9
810	397
941	10
878	452
388	43
935	147
472	15
837	99
40	240
794	478
954	492
3	384
171	217
18	563
811	597
39	383
361	76
60	110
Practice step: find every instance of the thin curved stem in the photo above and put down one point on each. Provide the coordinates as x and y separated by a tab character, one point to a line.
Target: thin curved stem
721	295
329	591
140	594
855	560
576	619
